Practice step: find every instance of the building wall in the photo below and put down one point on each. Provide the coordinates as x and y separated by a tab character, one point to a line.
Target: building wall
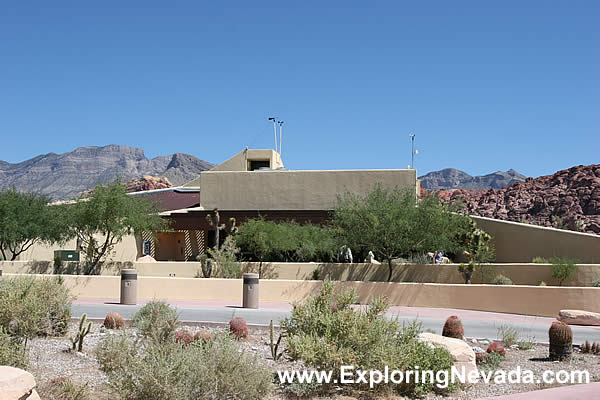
529	300
516	242
293	190
126	250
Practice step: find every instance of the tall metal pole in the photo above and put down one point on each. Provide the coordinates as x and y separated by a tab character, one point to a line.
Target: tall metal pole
412	152
274	130
280	135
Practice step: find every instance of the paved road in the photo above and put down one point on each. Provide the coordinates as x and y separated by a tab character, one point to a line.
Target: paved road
479	325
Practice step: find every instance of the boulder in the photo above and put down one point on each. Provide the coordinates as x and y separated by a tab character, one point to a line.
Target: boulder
16	384
461	352
146	259
579	317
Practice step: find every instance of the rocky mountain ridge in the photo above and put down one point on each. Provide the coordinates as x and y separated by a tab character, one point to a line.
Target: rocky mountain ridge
568	199
65	176
451	178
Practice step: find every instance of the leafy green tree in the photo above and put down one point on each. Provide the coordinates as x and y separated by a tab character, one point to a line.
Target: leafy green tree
285	241
393	223
27	219
102	220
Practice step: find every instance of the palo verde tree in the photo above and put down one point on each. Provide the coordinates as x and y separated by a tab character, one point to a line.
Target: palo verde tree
103	219
394	223
27	219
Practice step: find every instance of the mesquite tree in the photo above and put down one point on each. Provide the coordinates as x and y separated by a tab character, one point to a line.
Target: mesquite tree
394	223
27	219
109	214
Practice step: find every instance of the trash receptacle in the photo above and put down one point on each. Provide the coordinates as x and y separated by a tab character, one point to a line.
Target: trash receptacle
128	286
250	299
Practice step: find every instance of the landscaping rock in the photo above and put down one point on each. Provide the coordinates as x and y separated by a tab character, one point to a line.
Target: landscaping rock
461	352
16	384
579	317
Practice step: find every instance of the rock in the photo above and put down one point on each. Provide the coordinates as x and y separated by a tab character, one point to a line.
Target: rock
579	317
148	182
146	259
461	352
16	384
485	341
572	194
478	349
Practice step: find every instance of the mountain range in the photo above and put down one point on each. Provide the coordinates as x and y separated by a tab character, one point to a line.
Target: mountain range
65	176
451	178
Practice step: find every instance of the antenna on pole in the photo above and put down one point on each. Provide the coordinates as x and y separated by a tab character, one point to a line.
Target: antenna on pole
280	135
412	151
274	130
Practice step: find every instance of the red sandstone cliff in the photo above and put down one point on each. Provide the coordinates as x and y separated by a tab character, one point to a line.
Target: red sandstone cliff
568	198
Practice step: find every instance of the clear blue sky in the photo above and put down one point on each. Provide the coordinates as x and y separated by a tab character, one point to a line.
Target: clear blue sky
484	85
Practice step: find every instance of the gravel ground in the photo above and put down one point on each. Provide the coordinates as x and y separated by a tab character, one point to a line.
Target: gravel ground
51	358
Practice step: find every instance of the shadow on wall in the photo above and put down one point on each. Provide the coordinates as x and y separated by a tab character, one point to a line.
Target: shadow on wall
75	267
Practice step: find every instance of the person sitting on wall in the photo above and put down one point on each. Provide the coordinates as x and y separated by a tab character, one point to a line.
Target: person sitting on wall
439	257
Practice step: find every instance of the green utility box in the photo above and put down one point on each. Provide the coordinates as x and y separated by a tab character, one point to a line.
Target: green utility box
66	255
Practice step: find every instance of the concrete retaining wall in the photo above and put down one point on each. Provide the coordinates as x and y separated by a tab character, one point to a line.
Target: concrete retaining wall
520	274
530	300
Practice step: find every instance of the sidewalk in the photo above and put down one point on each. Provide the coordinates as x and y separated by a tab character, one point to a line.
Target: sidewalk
572	392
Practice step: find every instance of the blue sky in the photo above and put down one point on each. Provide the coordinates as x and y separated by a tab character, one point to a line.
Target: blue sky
484	86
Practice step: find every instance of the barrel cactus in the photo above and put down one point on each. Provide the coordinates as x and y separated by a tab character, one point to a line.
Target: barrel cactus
238	328
561	341
114	320
453	328
496	347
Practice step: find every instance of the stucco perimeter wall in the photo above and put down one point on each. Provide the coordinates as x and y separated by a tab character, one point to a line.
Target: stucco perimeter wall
530	300
520	274
293	190
516	242
126	250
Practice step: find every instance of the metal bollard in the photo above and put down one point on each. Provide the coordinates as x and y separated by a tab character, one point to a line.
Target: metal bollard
250	299
128	286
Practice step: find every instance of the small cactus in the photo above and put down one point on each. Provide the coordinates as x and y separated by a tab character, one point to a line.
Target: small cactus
496	347
586	347
594	348
184	337
114	320
204	336
453	328
238	327
561	341
77	340
275	345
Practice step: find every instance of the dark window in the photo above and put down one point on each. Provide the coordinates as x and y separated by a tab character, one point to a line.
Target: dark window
256	164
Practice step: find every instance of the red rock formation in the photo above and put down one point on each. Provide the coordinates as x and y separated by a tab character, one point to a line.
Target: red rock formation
148	182
572	195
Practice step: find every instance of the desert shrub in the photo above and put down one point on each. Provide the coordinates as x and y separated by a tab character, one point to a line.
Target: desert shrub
225	263
326	333
492	361
31	307
540	260
12	351
596	283
156	321
526	344
64	389
563	269
502	280
508	334
211	371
